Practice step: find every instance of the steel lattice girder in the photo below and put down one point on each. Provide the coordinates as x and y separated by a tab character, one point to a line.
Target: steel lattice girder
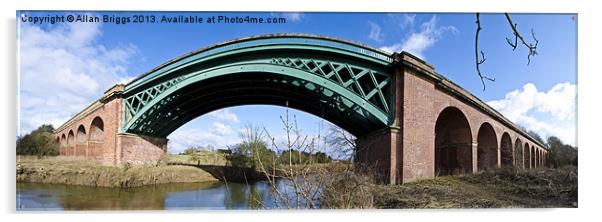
362	80
351	81
211	94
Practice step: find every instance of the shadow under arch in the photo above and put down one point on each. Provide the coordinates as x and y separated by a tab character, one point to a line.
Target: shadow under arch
518	154
70	139
97	130
63	141
486	148
453	143
81	135
527	156
507	157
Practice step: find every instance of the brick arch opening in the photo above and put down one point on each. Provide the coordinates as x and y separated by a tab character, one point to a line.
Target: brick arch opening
57	143
70	139
545	159
538	158
81	135
533	157
486	148
63	141
527	156
518	154
506	150
453	143
70	149
97	130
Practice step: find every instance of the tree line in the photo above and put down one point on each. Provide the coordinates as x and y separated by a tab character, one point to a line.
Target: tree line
559	154
255	153
40	142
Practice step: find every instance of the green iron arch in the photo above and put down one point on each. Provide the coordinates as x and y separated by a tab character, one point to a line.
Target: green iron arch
346	83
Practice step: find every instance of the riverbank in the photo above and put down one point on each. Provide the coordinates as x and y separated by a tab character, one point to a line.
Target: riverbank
88	173
503	188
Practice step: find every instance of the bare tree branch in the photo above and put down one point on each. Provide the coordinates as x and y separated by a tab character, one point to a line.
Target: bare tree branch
532	48
513	44
341	142
480	60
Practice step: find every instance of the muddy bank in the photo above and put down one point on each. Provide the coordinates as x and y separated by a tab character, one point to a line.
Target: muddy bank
79	172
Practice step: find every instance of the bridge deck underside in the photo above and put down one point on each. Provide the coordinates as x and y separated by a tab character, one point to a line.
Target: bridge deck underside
254	88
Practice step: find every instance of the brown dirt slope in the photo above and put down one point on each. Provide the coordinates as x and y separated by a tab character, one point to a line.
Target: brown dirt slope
79	172
503	188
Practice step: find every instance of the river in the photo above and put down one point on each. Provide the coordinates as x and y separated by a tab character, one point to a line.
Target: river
178	196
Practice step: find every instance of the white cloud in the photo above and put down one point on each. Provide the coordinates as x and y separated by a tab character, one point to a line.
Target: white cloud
408	20
290	16
550	113
222	129
221	133
126	80
560	101
225	115
417	42
403	20
62	70
375	32
219	136
565	131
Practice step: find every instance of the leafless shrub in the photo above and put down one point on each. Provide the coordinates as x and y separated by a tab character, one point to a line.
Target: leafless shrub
308	184
349	190
341	142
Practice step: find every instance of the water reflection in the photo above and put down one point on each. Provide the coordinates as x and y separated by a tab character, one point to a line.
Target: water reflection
182	196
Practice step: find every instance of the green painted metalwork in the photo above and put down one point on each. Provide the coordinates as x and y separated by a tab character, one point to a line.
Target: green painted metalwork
347	77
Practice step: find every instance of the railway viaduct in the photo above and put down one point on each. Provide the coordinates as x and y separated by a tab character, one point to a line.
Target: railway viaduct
410	122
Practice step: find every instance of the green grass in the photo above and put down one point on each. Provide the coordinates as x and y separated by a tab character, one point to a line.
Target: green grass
205	158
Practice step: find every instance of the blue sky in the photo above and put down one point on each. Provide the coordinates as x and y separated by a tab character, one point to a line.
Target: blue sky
540	96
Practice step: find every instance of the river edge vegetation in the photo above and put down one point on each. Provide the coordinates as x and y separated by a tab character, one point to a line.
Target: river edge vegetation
338	185
501	188
317	180
73	171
